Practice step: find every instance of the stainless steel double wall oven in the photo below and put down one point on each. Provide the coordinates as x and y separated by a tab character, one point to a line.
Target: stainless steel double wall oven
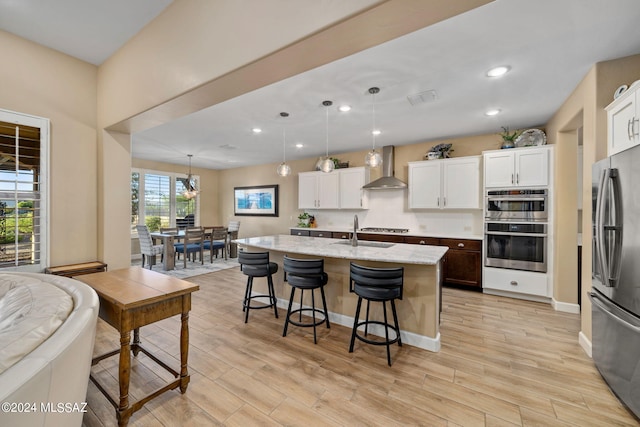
516	229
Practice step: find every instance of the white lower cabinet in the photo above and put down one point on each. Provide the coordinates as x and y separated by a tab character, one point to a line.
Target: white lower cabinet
445	184
340	189
522	282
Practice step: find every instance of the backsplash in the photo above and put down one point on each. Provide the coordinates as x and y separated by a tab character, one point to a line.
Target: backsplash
388	208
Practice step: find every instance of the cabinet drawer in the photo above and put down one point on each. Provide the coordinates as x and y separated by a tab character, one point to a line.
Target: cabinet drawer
318	233
335	235
524	282
416	240
381	237
299	232
462	244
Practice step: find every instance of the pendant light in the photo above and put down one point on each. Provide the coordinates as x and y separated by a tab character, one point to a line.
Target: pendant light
327	164
373	158
284	169
190	191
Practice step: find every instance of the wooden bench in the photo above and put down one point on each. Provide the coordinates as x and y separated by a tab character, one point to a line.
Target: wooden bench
77	269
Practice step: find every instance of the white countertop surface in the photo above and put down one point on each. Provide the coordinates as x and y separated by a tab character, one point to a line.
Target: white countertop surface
400	253
409	233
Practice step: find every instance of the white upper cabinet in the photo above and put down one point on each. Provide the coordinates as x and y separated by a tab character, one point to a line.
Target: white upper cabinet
318	190
340	189
445	184
352	196
516	167
623	121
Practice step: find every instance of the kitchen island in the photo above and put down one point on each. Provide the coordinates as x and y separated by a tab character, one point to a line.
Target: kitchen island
418	311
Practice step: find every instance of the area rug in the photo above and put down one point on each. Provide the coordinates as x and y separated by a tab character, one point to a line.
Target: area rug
193	268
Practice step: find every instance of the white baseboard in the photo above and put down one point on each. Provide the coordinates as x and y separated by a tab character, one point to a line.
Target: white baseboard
411	338
585	343
565	307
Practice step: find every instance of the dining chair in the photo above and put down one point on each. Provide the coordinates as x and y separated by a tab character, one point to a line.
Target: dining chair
216	239
233	229
147	248
193	243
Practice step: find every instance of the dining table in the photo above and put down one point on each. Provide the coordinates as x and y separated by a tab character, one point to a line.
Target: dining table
168	240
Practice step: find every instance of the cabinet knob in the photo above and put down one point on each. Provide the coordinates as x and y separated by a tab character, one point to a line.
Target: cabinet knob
461	245
422	242
514	283
344	236
320	235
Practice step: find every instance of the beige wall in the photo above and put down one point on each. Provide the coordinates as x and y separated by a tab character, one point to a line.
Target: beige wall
584	107
42	82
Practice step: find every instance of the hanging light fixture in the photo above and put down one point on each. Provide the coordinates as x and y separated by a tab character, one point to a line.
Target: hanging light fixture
190	191
284	169
327	163
373	158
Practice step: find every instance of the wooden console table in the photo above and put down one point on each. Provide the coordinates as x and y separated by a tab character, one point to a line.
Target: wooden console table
129	299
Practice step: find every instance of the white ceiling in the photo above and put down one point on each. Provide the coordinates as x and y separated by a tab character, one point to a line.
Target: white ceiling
550	45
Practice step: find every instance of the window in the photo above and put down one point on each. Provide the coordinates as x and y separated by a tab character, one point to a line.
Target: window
157	200
23	189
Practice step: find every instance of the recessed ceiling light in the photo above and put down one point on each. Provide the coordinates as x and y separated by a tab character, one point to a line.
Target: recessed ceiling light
492	112
344	108
256	130
299	145
498	71
376	132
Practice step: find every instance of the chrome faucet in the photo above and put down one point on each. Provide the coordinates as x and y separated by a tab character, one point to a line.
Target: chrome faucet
354	238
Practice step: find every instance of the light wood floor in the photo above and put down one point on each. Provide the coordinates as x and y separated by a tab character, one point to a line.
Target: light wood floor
503	362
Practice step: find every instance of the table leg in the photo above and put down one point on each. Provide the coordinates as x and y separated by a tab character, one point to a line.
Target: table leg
184	344
169	256
136	341
124	412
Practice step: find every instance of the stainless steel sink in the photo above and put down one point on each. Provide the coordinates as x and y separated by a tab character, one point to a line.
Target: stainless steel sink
366	243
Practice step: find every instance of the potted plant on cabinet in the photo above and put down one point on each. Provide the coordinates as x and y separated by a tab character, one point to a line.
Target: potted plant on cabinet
508	138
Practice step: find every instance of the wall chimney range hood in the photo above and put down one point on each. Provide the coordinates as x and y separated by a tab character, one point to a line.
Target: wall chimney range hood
387	181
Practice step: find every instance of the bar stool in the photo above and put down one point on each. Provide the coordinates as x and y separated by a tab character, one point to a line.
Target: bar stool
306	274
378	285
256	264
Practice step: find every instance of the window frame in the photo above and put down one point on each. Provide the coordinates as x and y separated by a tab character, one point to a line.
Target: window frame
44	124
173	178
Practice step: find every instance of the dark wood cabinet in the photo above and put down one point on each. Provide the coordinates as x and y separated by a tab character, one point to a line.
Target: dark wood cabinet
393	238
416	240
318	233
299	232
463	262
335	235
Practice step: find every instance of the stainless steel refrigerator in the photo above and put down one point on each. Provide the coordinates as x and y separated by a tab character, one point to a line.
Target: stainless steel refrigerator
615	297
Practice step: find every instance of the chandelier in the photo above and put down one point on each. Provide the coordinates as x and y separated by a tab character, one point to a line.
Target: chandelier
191	190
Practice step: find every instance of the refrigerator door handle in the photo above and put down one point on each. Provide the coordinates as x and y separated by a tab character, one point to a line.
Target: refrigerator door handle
599	248
615	260
609	311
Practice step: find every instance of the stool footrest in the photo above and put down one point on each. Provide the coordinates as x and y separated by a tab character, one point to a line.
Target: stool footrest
307	324
247	303
377	342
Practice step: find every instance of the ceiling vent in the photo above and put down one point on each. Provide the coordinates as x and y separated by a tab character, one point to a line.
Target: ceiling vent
423	97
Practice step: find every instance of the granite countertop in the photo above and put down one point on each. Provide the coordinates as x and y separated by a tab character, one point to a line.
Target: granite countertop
400	253
409	233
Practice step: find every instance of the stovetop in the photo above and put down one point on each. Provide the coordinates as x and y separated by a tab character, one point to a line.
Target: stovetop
385	230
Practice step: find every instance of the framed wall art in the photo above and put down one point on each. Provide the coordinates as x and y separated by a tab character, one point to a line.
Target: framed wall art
259	200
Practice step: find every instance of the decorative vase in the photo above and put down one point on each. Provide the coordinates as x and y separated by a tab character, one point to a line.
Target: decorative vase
433	155
507	144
